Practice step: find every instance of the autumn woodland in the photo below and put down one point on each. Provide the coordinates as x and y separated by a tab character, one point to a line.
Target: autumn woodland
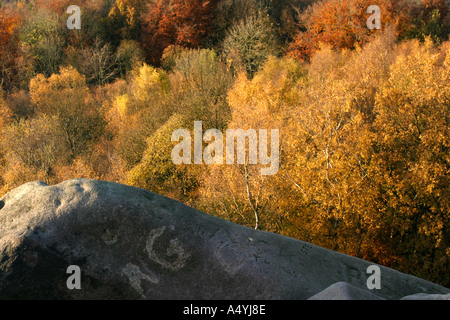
363	113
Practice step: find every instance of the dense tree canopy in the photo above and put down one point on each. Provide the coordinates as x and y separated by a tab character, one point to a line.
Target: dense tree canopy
362	115
178	22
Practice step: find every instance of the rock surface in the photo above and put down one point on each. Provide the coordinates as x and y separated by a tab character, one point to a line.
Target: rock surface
344	291
133	244
424	296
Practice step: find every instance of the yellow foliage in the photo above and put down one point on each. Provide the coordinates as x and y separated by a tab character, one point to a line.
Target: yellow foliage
156	172
364	161
364	137
5	113
69	83
120	102
66	96
147	86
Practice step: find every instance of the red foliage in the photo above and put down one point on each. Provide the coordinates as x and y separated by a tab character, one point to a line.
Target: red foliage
342	24
177	22
8	21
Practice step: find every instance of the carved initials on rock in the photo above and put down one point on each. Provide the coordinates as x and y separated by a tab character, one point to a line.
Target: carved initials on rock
173	249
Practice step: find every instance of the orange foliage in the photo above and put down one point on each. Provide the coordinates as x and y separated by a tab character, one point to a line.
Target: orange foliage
5	113
9	22
7	25
101	163
58	6
178	22
342	24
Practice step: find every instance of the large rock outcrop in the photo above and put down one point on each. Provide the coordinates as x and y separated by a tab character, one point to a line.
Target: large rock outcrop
133	244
